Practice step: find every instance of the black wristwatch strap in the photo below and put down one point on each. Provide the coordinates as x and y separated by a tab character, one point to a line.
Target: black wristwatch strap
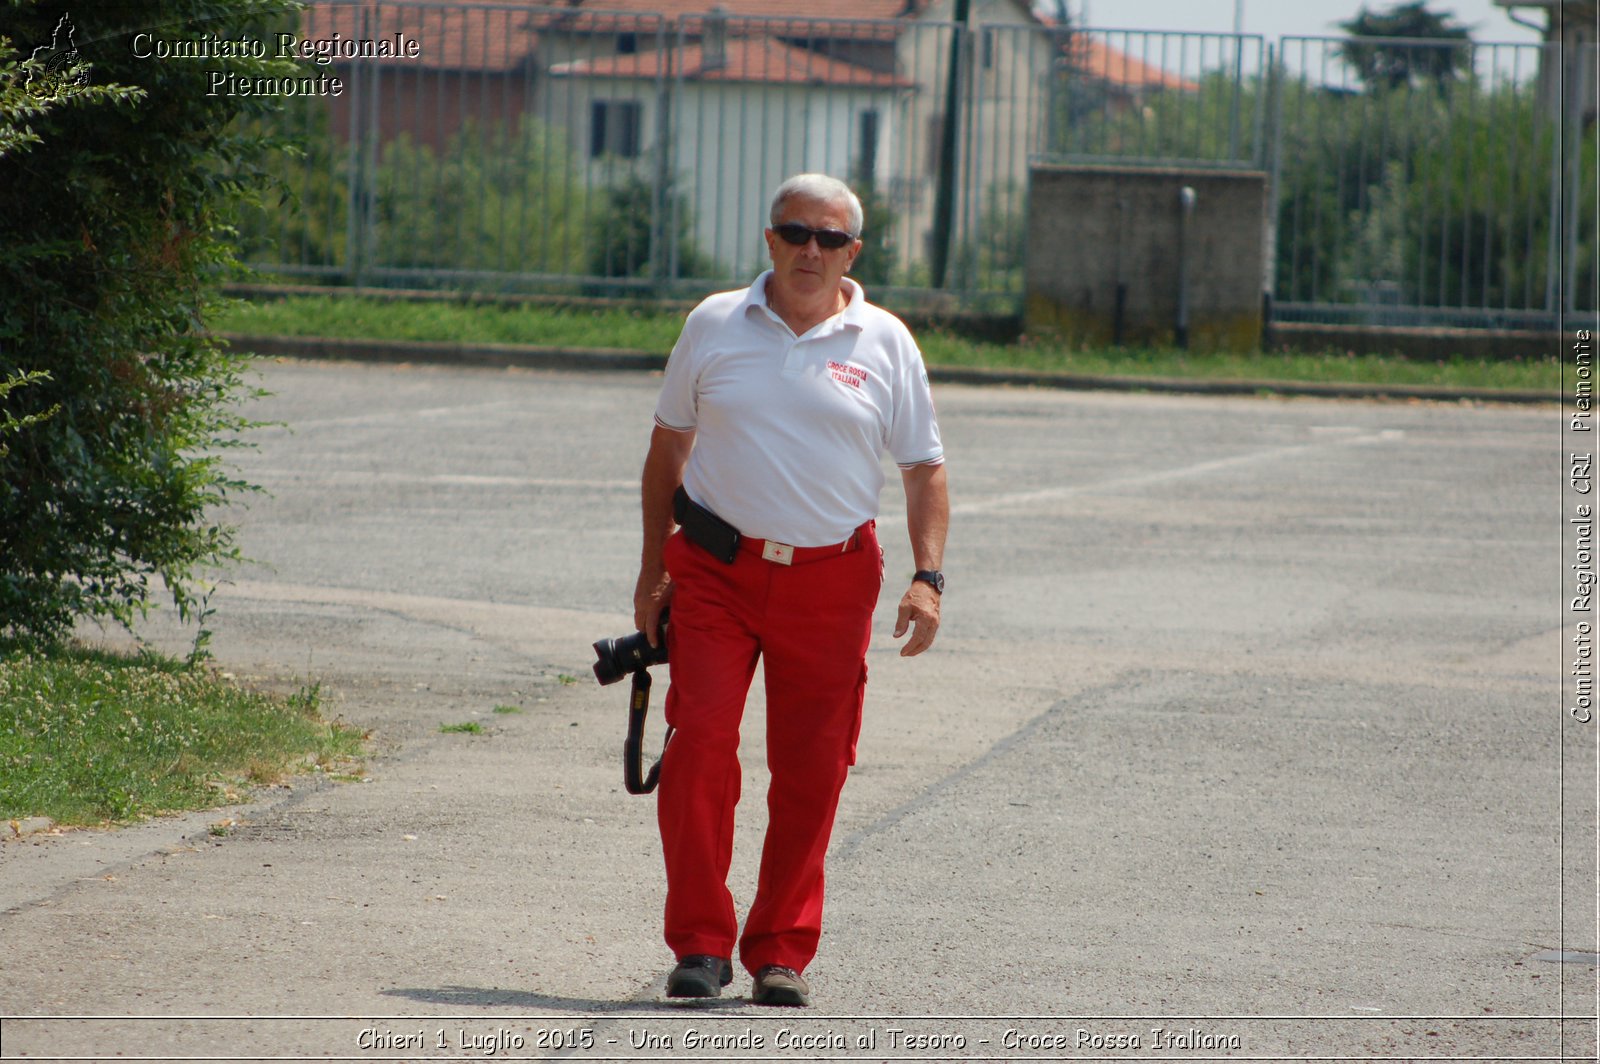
932	577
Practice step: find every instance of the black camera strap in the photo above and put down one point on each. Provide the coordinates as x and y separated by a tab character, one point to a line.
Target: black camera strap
634	777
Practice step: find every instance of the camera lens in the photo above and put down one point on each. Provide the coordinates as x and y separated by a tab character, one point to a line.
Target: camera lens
616	658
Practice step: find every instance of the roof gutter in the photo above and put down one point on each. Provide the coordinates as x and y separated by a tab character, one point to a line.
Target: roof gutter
1511	13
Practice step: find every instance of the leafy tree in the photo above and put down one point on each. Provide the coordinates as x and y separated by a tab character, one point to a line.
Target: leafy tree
10	423
124	176
1393	64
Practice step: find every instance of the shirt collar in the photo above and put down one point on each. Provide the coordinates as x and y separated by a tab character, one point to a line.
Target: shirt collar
851	316
756	294
855	303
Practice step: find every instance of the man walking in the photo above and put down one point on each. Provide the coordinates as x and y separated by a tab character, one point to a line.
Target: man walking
778	403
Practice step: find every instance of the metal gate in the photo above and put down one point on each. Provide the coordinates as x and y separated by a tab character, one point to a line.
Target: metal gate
570	150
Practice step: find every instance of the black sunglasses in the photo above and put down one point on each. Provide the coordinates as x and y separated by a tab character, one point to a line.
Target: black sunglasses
799	235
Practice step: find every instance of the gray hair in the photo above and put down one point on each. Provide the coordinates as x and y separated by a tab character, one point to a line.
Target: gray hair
822	189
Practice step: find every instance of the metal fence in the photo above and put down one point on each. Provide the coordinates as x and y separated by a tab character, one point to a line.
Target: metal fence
1416	182
566	150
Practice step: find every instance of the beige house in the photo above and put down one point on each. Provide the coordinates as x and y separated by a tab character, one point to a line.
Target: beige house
755	91
727	117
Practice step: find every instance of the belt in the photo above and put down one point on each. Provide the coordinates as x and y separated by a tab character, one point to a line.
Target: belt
725	542
785	554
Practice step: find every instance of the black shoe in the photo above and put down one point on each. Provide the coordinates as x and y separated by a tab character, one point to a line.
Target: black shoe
776	985
699	976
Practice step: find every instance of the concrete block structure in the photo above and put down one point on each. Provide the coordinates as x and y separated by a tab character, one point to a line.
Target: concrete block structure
1146	256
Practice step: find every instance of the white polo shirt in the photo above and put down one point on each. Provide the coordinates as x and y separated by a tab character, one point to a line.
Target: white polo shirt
790	431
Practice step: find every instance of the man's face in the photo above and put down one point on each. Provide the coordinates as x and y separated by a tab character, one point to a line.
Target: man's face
808	269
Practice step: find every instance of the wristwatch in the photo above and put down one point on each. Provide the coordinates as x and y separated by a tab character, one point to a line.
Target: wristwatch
932	577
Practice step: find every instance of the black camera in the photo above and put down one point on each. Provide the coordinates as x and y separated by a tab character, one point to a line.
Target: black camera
617	658
632	655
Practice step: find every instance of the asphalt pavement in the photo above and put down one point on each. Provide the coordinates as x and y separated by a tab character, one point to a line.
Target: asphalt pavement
1242	738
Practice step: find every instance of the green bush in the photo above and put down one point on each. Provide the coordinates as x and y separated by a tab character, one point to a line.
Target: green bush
1430	188
494	199
620	233
875	266
124	180
1337	152
305	221
1442	198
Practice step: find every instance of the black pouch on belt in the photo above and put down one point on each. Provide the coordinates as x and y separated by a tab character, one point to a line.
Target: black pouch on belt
705	529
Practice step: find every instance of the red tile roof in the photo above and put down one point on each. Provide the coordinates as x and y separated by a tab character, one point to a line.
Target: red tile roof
448	38
814	9
882	20
1101	61
761	60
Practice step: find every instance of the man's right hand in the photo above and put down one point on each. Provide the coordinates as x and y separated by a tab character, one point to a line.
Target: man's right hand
651	595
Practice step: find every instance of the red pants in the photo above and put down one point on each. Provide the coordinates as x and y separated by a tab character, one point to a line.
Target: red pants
810	624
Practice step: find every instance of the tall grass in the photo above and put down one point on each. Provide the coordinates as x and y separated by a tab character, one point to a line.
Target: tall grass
89	737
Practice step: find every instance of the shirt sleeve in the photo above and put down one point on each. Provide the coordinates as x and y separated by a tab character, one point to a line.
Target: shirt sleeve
678	407
914	432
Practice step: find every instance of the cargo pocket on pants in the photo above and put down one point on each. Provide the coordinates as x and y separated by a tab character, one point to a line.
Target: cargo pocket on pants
855	728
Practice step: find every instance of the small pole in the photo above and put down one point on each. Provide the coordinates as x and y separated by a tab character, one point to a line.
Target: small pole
1186	201
1119	309
944	202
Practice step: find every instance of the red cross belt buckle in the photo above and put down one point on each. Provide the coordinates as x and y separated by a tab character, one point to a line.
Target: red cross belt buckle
781	553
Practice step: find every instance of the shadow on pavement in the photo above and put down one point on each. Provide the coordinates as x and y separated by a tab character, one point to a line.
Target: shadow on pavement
498	997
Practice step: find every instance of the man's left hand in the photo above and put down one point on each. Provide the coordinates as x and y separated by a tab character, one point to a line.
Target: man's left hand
919	613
